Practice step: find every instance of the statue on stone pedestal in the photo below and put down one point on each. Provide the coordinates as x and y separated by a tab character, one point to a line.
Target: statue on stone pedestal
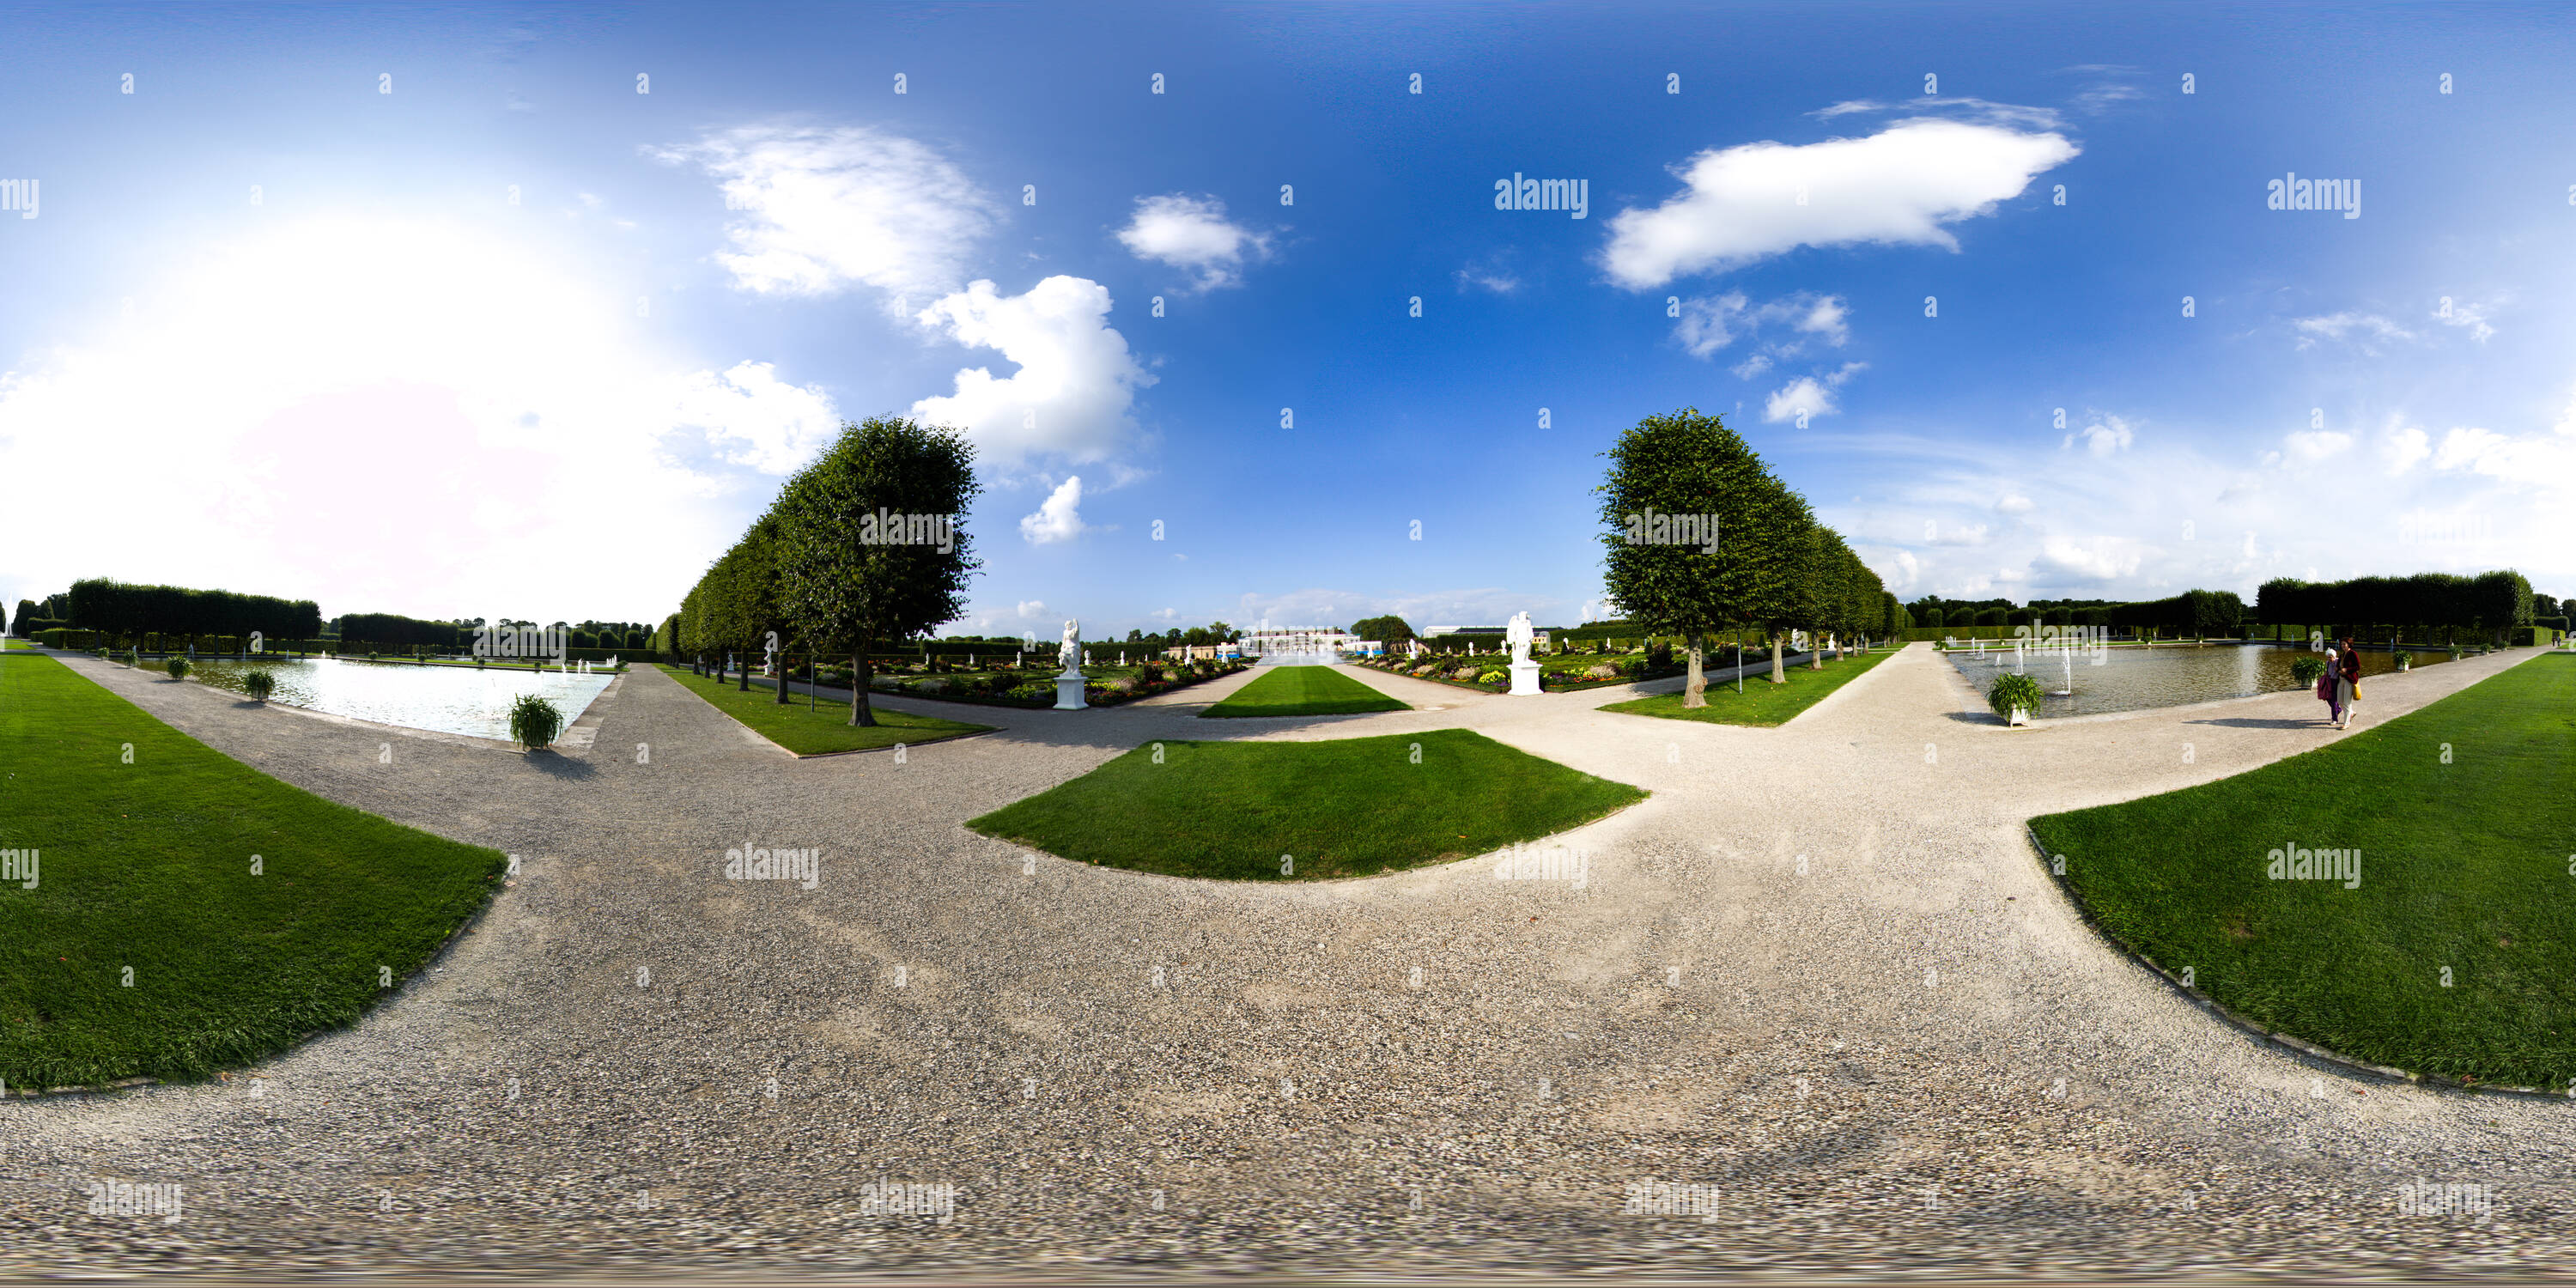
1068	686
1071	651
1518	635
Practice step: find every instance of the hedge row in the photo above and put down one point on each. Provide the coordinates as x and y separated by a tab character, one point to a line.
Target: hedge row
120	608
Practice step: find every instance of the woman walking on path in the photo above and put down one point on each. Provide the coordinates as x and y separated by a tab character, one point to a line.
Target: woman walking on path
2346	673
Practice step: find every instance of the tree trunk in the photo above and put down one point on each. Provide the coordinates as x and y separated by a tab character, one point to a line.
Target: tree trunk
743	678
782	679
1779	647
859	713
1695	689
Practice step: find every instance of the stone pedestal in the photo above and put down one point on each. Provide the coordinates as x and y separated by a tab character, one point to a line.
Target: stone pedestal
1525	680
1068	692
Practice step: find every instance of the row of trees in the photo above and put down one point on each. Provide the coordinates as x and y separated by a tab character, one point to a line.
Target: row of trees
1774	566
2493	602
122	609
808	570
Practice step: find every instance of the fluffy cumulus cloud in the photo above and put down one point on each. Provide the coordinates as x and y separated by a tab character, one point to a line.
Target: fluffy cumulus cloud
2364	331
1711	323
2093	559
1900	186
753	418
1193	234
1076	380
1811	396
1059	519
820	209
2105	436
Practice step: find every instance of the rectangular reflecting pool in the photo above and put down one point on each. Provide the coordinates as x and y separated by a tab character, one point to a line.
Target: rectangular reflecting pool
2134	679
446	699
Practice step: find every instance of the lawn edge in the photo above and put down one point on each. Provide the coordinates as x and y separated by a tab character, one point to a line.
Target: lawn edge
437	955
826	755
2296	1046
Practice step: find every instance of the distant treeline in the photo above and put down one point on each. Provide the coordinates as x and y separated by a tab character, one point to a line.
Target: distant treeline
2495	602
119	608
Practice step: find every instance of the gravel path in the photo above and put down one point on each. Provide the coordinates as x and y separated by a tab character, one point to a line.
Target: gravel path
1818	973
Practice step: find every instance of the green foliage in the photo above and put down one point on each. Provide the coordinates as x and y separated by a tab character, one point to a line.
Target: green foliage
2012	691
2403	659
2493	602
1687	463
177	667
2305	670
258	682
1389	630
839	590
534	721
119	608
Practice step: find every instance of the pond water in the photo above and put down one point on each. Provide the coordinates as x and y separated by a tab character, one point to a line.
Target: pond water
2132	679
446	699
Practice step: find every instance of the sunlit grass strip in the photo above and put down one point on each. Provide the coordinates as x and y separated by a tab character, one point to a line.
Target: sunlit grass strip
1303	691
2461	813
147	866
1762	702
1272	811
822	729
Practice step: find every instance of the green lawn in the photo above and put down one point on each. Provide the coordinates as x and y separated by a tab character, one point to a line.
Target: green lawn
1303	691
147	865
1762	702
2464	866
1350	807
16	645
817	730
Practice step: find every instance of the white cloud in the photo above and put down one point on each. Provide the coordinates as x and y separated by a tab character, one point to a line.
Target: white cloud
1963	534
1900	572
1075	383
2364	331
2103	437
1489	279
2471	316
819	209
2091	559
1059	519
1808	394
1193	233
755	419
2403	447
1031	608
2309	446
1896	187
1710	323
2014	503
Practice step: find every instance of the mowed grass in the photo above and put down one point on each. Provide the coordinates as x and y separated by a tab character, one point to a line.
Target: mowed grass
1762	702
2465	816
817	730
1303	691
1230	810
147	867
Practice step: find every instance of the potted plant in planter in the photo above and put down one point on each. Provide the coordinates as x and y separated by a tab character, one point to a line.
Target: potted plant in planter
258	683
177	667
2305	670
534	722
2405	661
2014	697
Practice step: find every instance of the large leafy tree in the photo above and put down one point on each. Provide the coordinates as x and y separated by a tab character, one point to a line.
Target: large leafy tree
1389	630
1688	463
842	591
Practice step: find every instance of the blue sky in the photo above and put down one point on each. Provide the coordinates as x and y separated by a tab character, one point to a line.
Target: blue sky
383	383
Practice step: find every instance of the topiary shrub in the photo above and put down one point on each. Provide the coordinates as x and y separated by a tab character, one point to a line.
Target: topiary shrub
177	667
258	683
534	722
2012	691
2305	670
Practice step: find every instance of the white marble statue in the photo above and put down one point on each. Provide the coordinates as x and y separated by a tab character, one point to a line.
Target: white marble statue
1518	634
1068	684
1072	640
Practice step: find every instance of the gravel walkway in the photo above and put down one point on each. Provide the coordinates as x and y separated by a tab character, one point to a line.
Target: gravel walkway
1906	1053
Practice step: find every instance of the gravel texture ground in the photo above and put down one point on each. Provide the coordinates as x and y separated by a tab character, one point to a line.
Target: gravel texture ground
1818	981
